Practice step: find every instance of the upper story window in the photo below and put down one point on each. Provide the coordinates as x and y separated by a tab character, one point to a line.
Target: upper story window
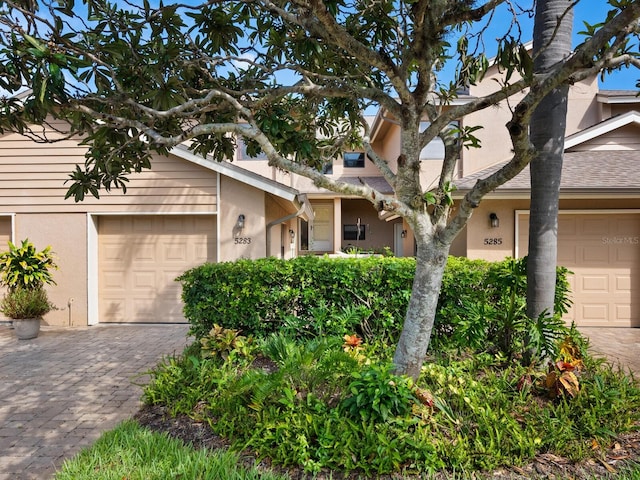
242	152
353	159
327	168
434	150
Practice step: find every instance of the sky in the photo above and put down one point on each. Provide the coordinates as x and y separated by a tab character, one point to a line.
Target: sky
594	11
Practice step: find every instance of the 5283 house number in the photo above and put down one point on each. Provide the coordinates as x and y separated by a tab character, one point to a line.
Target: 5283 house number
242	240
493	241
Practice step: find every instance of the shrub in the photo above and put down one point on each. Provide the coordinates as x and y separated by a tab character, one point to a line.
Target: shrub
308	296
22	302
24	266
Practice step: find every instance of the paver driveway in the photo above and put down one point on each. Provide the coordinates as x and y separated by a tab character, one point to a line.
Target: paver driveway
60	391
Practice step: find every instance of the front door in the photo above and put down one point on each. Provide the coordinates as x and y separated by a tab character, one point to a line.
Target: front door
322	230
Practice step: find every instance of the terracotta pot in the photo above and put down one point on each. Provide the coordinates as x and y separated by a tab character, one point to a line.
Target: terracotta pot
26	328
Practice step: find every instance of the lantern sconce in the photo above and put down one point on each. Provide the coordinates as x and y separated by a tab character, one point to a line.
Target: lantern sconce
494	221
292	234
240	222
403	234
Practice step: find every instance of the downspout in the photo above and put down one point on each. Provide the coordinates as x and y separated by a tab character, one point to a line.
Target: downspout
286	218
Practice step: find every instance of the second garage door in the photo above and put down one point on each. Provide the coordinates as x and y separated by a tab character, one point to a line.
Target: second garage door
140	257
603	252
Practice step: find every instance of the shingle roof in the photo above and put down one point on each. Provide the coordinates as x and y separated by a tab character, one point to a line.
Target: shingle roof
377	183
612	170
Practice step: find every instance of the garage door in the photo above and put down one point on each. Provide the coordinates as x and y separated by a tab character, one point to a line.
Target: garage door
140	257
603	251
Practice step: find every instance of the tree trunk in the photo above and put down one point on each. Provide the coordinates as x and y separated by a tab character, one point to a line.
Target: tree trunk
431	259
548	124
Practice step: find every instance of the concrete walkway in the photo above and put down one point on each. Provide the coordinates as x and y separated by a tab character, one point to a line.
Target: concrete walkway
60	391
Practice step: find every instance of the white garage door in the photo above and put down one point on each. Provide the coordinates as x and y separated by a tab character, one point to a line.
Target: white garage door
140	257
603	251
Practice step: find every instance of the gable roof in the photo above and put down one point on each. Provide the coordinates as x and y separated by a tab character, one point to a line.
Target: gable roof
599	129
614	171
248	177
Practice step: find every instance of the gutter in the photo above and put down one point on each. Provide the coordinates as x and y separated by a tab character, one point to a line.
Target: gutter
304	210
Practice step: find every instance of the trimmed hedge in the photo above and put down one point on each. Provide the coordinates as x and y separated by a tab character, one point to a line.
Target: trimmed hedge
309	295
316	295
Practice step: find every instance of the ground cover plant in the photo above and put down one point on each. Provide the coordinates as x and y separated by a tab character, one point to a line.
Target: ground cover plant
317	399
333	404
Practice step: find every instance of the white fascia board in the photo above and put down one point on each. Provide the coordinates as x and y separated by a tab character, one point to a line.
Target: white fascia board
238	173
602	128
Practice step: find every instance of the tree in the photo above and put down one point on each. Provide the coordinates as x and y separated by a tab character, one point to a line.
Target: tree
551	41
292	78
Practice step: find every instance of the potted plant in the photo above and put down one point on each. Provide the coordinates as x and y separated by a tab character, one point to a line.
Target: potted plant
25	271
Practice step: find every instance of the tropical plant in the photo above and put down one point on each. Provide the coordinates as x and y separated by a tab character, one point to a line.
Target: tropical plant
140	79
21	302
24	266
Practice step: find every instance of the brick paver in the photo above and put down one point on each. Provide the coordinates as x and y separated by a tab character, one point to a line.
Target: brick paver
60	391
621	346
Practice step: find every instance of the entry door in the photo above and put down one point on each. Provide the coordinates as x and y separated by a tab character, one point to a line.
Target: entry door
322	233
398	240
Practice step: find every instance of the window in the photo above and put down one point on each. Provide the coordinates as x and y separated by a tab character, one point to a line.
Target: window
353	159
434	149
242	152
350	232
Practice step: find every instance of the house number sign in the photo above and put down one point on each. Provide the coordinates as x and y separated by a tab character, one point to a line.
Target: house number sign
493	241
242	240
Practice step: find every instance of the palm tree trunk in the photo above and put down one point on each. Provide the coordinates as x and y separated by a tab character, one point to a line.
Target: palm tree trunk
551	43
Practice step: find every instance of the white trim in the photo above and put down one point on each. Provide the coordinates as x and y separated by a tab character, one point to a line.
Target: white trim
602	128
600	211
238	173
218	220
92	269
630	97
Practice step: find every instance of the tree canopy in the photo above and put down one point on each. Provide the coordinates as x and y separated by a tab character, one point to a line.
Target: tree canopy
293	77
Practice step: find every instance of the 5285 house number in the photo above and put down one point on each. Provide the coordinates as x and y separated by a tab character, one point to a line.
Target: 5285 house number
493	241
242	240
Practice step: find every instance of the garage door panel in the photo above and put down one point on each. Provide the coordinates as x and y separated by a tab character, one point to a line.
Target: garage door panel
623	283
139	260
595	284
603	251
594	255
591	226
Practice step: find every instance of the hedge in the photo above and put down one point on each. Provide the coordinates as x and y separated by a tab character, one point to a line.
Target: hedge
315	295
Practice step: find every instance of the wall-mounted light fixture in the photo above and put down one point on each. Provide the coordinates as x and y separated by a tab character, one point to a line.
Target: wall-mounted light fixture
240	222
494	221
403	234
292	234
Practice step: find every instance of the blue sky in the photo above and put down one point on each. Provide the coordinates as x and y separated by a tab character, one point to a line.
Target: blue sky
594	11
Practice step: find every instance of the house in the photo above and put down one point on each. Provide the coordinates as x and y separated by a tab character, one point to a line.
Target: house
119	255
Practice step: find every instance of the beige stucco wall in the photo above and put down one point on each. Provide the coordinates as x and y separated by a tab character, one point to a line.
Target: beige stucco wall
67	235
280	238
237	199
378	233
480	236
583	111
